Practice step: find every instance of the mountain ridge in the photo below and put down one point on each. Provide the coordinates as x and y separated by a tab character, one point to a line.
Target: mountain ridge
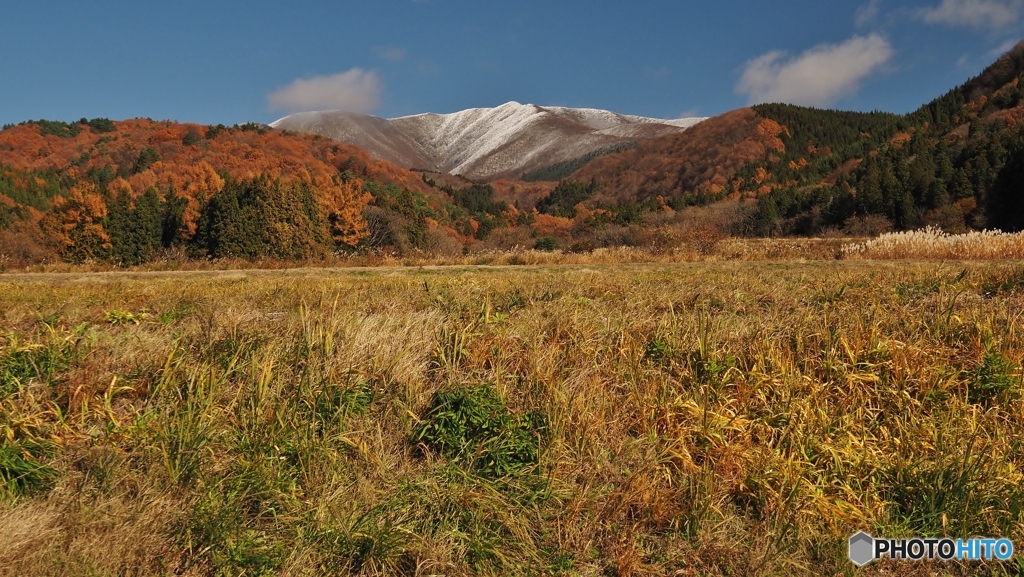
485	143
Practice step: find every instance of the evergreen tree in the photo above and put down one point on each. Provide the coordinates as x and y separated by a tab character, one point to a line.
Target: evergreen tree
262	218
563	199
171	217
135	232
1004	208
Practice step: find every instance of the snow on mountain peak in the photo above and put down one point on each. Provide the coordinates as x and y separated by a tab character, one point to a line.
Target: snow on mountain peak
486	142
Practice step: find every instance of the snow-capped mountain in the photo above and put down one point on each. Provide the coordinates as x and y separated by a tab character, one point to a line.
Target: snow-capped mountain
485	143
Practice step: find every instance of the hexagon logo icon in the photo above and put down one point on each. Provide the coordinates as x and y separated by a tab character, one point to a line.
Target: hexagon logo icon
862	549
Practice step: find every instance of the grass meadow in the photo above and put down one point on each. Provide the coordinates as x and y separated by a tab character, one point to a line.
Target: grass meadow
667	418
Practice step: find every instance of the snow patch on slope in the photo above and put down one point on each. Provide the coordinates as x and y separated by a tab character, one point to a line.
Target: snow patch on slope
485	142
464	138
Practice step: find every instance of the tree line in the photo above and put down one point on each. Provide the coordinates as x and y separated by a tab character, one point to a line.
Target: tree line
956	162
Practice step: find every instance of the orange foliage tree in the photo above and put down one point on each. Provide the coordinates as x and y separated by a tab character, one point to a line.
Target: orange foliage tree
75	226
343	204
187	165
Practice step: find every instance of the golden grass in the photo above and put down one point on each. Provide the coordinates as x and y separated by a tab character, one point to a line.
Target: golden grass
932	243
713	418
662	251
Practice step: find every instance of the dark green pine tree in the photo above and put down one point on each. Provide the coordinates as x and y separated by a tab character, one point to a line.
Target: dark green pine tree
172	217
1004	202
563	199
767	215
262	218
135	232
841	207
228	225
147	218
294	226
895	184
870	199
118	226
961	186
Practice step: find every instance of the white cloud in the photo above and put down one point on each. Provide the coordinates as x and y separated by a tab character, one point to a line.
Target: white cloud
992	14
392	53
428	69
867	13
1003	48
818	77
355	90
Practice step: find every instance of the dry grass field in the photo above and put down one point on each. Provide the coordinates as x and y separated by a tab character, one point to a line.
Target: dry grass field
706	418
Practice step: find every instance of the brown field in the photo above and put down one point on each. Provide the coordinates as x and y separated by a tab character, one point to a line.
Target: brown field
731	417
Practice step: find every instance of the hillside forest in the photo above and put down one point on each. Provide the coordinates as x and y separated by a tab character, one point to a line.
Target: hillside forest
138	190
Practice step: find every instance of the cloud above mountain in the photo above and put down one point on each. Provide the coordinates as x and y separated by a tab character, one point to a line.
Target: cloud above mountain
820	76
390	53
354	90
867	13
992	14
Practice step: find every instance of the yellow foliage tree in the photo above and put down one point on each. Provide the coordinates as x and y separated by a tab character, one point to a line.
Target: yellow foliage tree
343	204
75	223
197	183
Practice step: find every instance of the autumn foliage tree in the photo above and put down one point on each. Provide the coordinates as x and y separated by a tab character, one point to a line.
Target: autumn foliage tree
342	203
120	191
75	224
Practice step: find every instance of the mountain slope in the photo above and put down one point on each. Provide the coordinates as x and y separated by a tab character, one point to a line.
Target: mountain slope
370	133
485	143
701	161
955	163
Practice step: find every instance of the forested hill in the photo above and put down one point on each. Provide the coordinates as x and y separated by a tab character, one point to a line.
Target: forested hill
956	162
123	191
689	168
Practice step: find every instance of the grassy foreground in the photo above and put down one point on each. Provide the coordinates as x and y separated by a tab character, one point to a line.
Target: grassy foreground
734	418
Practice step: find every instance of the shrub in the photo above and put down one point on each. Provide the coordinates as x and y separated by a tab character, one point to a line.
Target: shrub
22	363
990	379
704	238
546	243
656	350
473	426
191	138
868	225
20	471
100	125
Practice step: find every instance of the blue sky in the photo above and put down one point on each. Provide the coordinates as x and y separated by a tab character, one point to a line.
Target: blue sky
231	62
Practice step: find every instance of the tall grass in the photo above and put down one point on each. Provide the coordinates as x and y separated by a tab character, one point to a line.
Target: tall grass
657	249
933	243
672	419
